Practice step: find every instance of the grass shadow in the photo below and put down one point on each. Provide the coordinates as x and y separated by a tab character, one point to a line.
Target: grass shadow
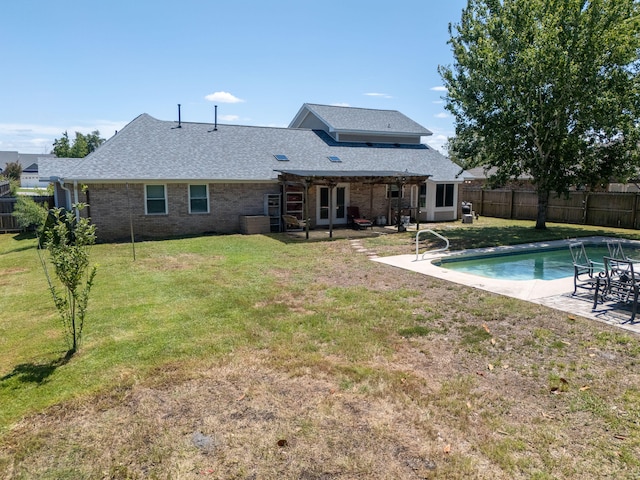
36	372
513	235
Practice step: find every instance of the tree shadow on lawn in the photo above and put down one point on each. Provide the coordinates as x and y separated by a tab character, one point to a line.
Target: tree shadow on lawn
20	237
461	238
36	372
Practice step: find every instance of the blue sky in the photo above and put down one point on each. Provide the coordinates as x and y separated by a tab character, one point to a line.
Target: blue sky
87	65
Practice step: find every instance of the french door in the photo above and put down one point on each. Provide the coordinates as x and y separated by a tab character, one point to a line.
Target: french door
332	204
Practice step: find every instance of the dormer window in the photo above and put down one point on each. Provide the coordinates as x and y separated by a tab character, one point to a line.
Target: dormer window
281	158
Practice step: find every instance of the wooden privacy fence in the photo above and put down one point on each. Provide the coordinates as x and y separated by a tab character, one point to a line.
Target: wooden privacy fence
605	209
7	220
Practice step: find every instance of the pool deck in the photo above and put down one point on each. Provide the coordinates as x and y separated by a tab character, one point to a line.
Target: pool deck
556	294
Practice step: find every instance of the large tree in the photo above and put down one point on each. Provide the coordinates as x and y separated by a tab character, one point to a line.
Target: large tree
80	147
548	88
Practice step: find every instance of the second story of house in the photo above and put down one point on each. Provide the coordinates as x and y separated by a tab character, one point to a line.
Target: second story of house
349	124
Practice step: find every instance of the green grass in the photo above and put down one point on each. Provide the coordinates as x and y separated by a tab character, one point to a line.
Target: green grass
186	305
489	232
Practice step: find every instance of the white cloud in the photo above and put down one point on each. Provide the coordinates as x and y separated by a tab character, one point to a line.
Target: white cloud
438	102
34	138
223	97
229	118
439	142
381	95
340	104
439	139
440	88
442	115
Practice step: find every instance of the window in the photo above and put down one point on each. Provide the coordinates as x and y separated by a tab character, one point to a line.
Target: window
393	191
444	195
155	199
198	199
423	195
281	158
334	159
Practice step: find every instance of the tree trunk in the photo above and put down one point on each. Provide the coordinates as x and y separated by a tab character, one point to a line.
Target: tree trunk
543	202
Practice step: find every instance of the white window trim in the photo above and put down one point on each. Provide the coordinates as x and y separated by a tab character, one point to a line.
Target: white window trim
166	203
206	185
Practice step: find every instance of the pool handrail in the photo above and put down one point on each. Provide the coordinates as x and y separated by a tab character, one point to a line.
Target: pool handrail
445	248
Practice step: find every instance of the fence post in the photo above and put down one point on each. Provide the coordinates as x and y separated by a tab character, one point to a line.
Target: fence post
634	211
585	202
511	205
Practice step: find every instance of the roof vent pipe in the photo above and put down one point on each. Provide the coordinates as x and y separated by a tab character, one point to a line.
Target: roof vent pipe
179	119
215	120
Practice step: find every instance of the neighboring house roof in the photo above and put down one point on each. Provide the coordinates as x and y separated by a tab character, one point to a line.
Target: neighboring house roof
7	157
482	173
25	160
350	119
148	149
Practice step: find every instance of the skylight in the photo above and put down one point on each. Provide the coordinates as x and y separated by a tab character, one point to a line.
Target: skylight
282	158
334	159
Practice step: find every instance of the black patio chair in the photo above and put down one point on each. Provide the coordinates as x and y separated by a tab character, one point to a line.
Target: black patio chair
585	270
619	283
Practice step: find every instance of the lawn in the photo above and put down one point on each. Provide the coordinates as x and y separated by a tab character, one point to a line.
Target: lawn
269	357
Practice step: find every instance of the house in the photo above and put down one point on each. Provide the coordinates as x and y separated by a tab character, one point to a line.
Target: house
161	178
29	163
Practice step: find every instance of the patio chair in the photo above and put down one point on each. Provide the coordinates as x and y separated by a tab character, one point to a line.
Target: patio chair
355	220
619	283
616	251
585	270
293	223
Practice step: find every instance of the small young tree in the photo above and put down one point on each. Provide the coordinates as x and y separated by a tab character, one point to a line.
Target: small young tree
68	239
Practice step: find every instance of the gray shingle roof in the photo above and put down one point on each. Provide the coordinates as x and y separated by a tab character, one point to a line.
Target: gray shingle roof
352	119
148	149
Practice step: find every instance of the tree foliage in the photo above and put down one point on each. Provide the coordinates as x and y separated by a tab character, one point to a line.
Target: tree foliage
68	239
80	147
546	88
29	214
12	171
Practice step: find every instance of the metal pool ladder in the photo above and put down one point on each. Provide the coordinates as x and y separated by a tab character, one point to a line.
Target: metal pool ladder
446	247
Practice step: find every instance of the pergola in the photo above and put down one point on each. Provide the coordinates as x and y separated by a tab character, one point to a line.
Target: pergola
331	178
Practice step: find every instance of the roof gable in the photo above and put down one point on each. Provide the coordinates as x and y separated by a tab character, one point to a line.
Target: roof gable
350	120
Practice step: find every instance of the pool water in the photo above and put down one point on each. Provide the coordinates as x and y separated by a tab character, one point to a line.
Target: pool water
530	265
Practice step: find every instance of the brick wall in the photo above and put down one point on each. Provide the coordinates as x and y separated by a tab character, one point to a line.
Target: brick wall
113	208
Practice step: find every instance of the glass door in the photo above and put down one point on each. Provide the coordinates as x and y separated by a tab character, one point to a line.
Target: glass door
332	200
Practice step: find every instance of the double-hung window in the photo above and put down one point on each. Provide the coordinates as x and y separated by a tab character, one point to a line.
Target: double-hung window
444	195
155	197
198	198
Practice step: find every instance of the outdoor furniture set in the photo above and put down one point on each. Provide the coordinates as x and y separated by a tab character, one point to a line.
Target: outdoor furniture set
613	280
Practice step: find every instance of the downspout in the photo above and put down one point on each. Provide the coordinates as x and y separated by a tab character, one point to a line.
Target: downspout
68	195
75	199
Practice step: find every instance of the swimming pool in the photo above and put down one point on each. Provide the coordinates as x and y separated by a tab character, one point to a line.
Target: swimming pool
541	264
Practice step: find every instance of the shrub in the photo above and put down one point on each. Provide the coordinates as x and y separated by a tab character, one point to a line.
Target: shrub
29	214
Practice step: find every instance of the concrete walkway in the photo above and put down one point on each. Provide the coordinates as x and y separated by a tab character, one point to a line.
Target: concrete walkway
556	294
